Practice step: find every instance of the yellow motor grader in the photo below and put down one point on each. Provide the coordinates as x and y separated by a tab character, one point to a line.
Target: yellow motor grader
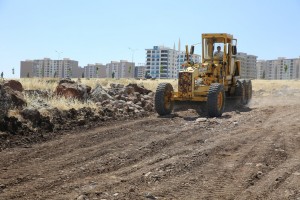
213	80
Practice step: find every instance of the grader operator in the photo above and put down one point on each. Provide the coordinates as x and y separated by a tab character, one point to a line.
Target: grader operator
212	81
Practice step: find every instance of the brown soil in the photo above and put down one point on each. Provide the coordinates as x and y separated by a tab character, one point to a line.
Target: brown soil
249	153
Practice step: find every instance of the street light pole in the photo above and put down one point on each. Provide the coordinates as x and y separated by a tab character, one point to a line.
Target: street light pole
58	55
133	51
132	56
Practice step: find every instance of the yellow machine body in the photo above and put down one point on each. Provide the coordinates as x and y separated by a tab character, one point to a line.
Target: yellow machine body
195	79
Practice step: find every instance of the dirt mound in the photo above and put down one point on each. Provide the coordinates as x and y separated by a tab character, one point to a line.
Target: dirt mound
14	85
71	89
9	99
116	103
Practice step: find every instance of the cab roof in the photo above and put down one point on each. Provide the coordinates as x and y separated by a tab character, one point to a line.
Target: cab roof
218	37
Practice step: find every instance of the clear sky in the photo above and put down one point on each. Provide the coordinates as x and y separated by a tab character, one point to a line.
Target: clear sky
100	31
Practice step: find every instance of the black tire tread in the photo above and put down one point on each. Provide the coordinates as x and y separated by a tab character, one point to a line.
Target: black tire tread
212	100
241	91
248	91
159	99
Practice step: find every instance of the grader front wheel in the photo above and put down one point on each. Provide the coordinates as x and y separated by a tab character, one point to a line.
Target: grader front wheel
215	100
163	99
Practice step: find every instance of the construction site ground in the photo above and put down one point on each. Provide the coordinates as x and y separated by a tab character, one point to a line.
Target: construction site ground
250	152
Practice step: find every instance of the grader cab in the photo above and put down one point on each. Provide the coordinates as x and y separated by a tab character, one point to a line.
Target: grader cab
212	81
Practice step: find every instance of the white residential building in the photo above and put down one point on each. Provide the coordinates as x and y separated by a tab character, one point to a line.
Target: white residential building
261	66
281	68
122	69
182	57
248	65
163	62
97	70
46	67
140	71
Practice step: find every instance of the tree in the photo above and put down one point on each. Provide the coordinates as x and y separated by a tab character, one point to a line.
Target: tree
82	75
69	72
28	75
285	70
55	74
113	74
1	74
13	70
97	71
42	72
264	75
147	75
161	69
129	69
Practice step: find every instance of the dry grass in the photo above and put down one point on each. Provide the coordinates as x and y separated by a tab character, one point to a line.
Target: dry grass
50	84
39	83
14	113
149	84
269	85
59	102
65	104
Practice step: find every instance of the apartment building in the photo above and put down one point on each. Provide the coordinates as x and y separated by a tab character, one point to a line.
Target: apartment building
248	65
46	67
181	57
27	68
163	62
282	69
261	69
122	69
140	71
77	72
96	70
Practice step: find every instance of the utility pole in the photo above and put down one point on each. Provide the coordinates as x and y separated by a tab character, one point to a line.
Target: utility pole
58	53
58	57
132	57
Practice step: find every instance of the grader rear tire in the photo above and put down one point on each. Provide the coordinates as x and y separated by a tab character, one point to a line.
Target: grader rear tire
240	91
216	100
163	99
248	92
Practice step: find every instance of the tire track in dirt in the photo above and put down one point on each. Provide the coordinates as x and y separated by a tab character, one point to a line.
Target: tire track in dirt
64	160
251	149
262	152
273	184
166	157
187	166
56	161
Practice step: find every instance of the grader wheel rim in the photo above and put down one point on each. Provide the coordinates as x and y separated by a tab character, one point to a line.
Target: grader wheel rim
220	100
167	99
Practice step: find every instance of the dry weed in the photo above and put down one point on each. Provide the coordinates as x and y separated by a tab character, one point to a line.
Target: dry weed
39	83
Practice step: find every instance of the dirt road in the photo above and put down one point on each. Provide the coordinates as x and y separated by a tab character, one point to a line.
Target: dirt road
248	153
